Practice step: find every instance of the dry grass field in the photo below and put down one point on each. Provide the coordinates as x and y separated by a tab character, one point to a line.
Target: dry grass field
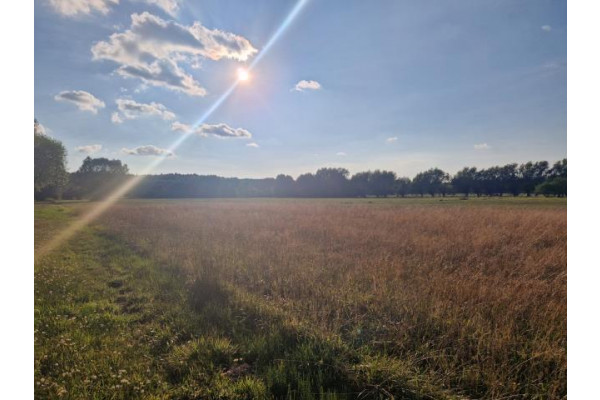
330	298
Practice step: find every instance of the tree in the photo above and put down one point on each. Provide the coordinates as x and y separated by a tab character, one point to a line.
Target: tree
50	175
559	169
102	166
97	177
360	184
431	181
382	183
532	174
490	181
556	180
556	186
465	180
306	185
402	186
509	179
332	182
284	186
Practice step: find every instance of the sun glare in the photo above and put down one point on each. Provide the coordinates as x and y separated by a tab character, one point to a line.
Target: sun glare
242	74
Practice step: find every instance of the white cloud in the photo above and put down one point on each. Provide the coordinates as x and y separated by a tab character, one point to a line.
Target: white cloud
116	118
39	129
340	154
482	146
83	100
392	139
546	28
307	85
152	48
89	149
163	73
222	131
71	8
179	127
148	150
253	145
130	109
218	130
169	6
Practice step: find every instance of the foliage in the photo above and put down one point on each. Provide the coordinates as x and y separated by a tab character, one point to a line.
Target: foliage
555	186
431	181
50	175
96	178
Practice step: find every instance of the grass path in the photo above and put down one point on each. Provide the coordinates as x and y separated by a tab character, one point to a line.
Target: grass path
108	322
112	324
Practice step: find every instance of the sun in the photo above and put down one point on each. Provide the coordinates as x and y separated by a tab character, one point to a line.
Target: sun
243	74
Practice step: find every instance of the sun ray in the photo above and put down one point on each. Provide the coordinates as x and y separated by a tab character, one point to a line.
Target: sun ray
122	190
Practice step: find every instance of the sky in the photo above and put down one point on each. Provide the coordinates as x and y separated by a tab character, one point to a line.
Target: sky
396	85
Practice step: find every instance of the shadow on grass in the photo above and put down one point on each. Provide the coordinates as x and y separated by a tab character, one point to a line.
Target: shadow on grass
247	339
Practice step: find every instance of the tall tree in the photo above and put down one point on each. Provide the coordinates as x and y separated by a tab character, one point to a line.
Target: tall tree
532	174
559	169
509	179
360	184
332	182
402	186
465	180
556	182
432	181
50	175
382	183
306	185
284	186
97	177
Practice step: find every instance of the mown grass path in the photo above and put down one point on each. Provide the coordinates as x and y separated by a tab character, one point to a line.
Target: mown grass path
107	323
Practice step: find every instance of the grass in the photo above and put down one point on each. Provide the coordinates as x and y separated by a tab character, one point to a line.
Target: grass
335	298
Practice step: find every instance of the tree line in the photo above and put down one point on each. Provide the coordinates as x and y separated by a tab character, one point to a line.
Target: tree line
98	176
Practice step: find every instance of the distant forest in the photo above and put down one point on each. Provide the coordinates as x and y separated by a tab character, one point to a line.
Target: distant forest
98	176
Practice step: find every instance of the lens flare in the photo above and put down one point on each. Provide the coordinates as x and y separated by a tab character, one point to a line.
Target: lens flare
243	74
98	209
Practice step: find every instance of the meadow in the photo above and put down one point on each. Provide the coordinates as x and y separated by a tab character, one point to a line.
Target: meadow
277	298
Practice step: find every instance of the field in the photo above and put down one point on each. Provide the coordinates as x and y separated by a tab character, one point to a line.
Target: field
301	299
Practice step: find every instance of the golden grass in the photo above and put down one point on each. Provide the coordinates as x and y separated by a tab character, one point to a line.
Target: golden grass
474	298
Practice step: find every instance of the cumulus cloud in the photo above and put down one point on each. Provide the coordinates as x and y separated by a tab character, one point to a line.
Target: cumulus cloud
71	8
546	28
89	149
83	100
169	6
222	131
179	127
253	145
307	85
131	109
164	73
218	130
482	146
148	150
392	139
151	48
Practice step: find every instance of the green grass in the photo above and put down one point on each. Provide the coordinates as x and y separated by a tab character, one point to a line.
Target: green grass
111	323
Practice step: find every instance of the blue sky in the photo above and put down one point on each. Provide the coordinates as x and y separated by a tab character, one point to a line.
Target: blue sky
394	85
